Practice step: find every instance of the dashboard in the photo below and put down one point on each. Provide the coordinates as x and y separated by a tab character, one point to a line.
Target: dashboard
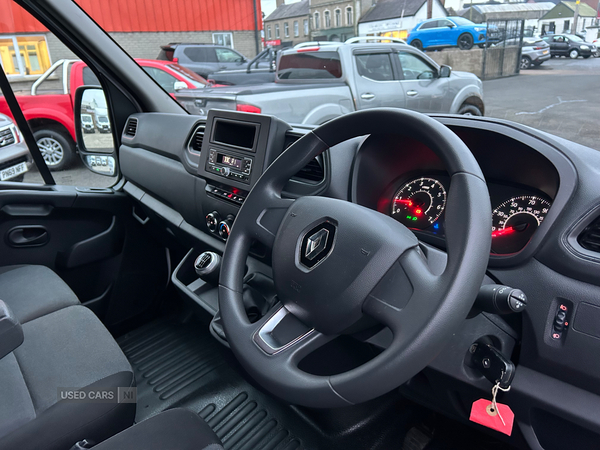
544	195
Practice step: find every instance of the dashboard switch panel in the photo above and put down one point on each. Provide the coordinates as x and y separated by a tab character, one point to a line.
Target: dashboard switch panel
561	321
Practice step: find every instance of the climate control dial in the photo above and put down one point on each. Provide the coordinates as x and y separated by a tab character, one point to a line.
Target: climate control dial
212	221
225	228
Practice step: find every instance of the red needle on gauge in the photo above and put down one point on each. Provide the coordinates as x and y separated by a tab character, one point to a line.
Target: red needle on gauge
503	232
409	203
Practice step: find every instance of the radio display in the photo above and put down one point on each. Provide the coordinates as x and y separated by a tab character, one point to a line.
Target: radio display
229	161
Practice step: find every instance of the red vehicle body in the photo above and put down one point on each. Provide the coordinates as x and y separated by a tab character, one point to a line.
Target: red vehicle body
50	114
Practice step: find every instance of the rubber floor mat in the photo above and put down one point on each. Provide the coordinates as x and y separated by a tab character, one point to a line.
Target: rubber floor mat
182	365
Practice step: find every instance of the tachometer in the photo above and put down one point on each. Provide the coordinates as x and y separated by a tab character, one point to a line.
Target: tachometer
515	221
419	203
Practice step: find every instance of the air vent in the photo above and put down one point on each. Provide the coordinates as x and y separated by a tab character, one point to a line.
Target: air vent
313	172
590	236
6	137
131	127
197	138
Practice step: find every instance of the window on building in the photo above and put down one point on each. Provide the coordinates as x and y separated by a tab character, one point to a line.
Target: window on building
225	39
286	29
338	18
317	21
269	32
305	27
296	28
349	16
277	31
31	59
327	16
566	26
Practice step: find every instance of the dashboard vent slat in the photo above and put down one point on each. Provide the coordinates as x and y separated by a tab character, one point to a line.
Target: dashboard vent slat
313	172
197	139
131	127
589	238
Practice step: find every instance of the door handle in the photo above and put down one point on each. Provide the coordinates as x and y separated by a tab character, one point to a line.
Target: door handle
367	96
411	93
27	236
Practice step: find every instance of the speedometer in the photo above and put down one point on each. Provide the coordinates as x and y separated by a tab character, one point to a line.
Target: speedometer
514	222
419	203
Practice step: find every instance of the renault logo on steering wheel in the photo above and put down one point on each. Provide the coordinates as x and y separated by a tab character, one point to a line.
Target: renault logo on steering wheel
317	244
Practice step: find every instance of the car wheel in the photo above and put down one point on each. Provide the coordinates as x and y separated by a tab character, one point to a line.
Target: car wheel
586	56
469	110
417	44
465	41
573	54
56	147
525	62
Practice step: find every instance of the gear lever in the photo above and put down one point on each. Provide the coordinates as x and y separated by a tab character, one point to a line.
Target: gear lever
208	266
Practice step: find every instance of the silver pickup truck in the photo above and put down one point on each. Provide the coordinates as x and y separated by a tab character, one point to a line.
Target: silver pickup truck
316	82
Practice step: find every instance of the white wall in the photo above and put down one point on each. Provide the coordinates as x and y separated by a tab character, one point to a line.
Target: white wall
560	23
406	23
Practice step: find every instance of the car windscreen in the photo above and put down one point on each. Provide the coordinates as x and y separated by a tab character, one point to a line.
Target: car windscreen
192	77
310	66
461	21
573	38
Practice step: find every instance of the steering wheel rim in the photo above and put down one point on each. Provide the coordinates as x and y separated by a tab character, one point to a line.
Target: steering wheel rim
372	269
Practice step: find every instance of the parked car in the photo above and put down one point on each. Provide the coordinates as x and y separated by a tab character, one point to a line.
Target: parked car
15	159
87	123
316	83
205	59
569	45
448	32
102	123
50	114
534	52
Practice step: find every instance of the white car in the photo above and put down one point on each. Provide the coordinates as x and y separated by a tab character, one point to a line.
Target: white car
15	159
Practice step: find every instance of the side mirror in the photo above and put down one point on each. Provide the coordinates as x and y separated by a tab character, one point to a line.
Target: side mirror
179	85
445	71
93	130
450	25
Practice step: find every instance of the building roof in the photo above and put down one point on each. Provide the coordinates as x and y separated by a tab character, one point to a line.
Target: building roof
584	9
514	7
392	9
291	10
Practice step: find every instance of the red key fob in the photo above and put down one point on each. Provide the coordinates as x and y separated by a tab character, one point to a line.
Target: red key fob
483	413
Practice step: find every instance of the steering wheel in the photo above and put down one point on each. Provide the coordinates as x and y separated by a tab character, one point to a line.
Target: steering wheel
338	266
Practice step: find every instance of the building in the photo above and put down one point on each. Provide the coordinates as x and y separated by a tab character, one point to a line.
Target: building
395	18
139	27
288	25
531	13
560	18
336	20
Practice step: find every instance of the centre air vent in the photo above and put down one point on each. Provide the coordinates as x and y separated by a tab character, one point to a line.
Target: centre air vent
197	139
313	172
131	127
589	238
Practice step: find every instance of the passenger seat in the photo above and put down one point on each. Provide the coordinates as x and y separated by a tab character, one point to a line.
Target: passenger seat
65	346
32	291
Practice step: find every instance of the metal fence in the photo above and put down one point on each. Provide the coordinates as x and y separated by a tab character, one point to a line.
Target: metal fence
502	55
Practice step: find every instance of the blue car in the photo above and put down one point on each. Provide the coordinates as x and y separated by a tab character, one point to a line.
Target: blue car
447	32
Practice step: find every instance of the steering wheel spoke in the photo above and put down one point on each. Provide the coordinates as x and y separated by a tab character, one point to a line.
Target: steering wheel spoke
268	219
283	335
408	286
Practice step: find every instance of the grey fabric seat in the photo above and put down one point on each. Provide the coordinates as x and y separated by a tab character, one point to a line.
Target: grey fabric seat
32	291
66	348
175	429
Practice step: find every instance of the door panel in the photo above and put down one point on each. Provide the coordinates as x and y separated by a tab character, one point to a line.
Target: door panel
90	240
424	91
376	85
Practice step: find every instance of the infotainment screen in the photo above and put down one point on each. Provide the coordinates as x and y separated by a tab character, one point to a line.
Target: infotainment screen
236	134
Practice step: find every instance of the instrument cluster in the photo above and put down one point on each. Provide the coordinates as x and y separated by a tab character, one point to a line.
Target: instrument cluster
419	203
